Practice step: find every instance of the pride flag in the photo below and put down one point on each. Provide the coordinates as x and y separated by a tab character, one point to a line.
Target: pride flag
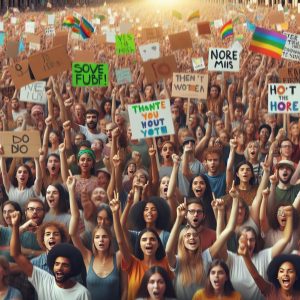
194	15
70	21
268	42
86	28
227	30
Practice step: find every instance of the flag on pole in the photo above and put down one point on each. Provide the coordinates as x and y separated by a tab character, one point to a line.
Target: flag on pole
194	15
227	30
268	42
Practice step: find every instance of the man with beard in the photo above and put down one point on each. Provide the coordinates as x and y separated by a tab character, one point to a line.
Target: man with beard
64	261
90	129
196	218
282	191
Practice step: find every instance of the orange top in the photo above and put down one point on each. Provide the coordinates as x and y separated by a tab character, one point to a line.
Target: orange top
136	271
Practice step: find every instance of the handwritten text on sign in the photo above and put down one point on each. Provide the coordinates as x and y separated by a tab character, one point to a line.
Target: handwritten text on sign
291	49
125	44
189	85
86	74
151	119
283	98
34	92
220	59
20	143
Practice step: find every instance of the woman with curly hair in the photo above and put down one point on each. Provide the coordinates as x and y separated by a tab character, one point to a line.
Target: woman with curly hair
218	284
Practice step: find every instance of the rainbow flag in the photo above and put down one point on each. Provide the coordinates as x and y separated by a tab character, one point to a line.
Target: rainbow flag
227	30
268	42
70	21
86	28
194	15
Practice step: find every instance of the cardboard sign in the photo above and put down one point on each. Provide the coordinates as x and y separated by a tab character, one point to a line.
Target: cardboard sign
125	44
84	56
298	20
203	28
20	143
289	75
49	62
283	98
50	31
34	46
221	59
149	51
291	49
276	17
13	20
150	119
12	49
198	63
154	33
61	38
189	85
86	74
34	92
20	73
123	76
161	68
8	91
181	40
29	27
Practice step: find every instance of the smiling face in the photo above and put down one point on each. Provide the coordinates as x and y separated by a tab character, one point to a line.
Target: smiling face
85	163
150	213
52	196
139	178
198	186
101	240
52	237
156	286
191	239
149	244
287	276
217	277
99	196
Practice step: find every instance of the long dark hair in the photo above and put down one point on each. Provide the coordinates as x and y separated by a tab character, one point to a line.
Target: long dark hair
143	290
228	288
237	179
63	203
30	180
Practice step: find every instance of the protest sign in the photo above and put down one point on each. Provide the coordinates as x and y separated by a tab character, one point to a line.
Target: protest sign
125	44
123	76
13	20
125	27
34	92
12	49
84	56
111	36
29	27
49	62
61	38
220	59
150	119
283	98
289	75
203	28
276	17
149	51
1	26
20	73
161	68
51	19
20	143
154	33
237	46
8	91
298	19
189	85
198	63
87	74
34	46
291	49
218	23
181	40
33	38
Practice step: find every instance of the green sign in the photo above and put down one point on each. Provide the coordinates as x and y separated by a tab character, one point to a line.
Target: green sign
125	44
87	74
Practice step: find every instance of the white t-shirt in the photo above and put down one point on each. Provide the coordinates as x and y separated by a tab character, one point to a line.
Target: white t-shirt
240	277
92	136
21	196
46	287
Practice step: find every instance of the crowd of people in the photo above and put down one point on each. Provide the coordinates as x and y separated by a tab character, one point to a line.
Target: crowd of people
210	212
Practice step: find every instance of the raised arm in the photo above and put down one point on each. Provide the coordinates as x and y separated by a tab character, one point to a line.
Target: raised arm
279	246
5	177
262	284
63	162
204	141
263	216
74	221
171	247
124	249
296	203
38	182
15	245
229	168
273	180
154	169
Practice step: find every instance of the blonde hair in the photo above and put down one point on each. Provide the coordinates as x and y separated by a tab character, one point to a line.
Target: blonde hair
108	232
191	265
